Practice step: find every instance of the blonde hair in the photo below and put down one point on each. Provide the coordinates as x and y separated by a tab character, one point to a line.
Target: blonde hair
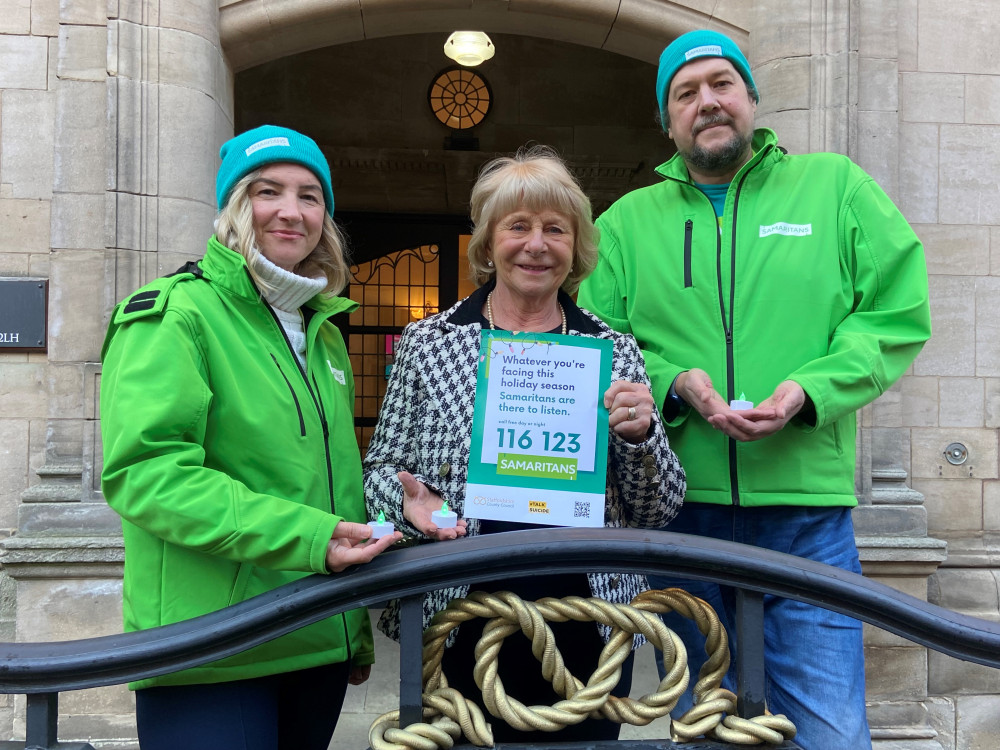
537	179
234	229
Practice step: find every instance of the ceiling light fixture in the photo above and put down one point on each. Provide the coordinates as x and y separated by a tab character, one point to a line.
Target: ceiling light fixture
469	48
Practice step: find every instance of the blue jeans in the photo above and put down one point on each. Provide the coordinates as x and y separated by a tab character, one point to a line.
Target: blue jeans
814	658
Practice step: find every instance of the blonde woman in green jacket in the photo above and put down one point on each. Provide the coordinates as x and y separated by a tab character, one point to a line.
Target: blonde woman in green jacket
229	451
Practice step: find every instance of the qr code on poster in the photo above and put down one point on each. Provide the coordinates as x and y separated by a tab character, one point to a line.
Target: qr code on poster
581	509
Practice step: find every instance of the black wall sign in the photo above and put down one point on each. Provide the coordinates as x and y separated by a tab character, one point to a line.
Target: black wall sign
23	314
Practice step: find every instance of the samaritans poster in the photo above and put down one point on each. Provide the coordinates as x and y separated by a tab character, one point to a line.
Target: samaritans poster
540	430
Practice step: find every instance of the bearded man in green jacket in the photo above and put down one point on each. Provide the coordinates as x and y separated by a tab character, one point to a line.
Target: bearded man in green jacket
749	275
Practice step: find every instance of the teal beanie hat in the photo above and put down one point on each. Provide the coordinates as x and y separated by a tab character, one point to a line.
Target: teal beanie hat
269	144
695	44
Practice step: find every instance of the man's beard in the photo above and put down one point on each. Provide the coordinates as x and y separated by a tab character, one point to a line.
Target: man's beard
722	157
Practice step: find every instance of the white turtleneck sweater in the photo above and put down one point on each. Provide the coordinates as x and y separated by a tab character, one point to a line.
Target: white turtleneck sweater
287	294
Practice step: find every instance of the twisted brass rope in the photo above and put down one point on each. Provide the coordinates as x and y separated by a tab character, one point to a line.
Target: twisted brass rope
450	714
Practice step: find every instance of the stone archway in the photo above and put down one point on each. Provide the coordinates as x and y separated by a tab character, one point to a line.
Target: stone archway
256	31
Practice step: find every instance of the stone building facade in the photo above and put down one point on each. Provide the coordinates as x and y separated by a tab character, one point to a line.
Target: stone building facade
111	116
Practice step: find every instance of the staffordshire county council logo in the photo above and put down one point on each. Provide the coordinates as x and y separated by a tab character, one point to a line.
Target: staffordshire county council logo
338	375
792	230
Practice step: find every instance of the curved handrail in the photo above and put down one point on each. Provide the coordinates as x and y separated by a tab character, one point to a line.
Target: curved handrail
114	659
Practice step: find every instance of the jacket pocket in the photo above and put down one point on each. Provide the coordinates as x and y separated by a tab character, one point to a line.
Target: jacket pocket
688	231
298	406
239	591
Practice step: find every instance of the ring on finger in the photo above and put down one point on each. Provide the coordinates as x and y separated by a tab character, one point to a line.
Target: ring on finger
631	413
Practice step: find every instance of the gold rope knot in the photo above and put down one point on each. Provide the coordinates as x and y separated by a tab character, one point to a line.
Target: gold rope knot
447	714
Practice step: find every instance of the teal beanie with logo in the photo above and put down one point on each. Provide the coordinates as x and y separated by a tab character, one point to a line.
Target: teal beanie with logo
691	46
270	144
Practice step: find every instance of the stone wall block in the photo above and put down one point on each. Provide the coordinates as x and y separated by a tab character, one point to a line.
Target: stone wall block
135	222
992	417
877	149
27	143
995	251
970	591
192	16
785	81
918	402
135	134
186	59
25	62
25	226
133	51
918	172
962	402
907	25
987	326
80	142
952	505
932	97
968	46
952	348
793	127
225	87
928	453
22	390
970	193
878	31
83	53
45	17
187	147
991	505
947	675
886	409
895	673
793	37
15	16
978	728
878	85
14	466
184	228
889	445
84	12
74	307
78	220
982	100
65	386
955	250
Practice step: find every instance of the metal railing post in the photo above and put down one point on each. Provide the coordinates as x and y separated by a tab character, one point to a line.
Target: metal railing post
750	653
42	721
411	649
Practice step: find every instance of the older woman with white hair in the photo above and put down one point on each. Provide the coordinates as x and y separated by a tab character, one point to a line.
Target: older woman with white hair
533	241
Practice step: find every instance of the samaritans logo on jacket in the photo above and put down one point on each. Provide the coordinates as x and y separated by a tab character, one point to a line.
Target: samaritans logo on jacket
782	227
338	375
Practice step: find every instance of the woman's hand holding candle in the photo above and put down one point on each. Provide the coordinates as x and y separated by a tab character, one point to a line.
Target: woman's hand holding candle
419	505
348	546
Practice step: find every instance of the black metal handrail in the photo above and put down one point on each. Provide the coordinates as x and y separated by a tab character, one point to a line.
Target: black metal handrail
109	660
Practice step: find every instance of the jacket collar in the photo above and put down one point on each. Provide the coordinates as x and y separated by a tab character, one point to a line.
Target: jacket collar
228	269
765	146
470	310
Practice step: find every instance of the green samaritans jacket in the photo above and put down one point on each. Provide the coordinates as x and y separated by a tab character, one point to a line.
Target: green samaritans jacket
215	457
812	276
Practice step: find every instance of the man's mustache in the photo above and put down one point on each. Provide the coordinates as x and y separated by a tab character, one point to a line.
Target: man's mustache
716	119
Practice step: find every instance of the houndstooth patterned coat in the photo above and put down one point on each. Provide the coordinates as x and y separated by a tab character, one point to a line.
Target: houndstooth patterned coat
425	428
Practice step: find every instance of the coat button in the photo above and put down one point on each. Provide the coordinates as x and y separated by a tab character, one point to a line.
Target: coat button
444	469
650	471
614	582
648	460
